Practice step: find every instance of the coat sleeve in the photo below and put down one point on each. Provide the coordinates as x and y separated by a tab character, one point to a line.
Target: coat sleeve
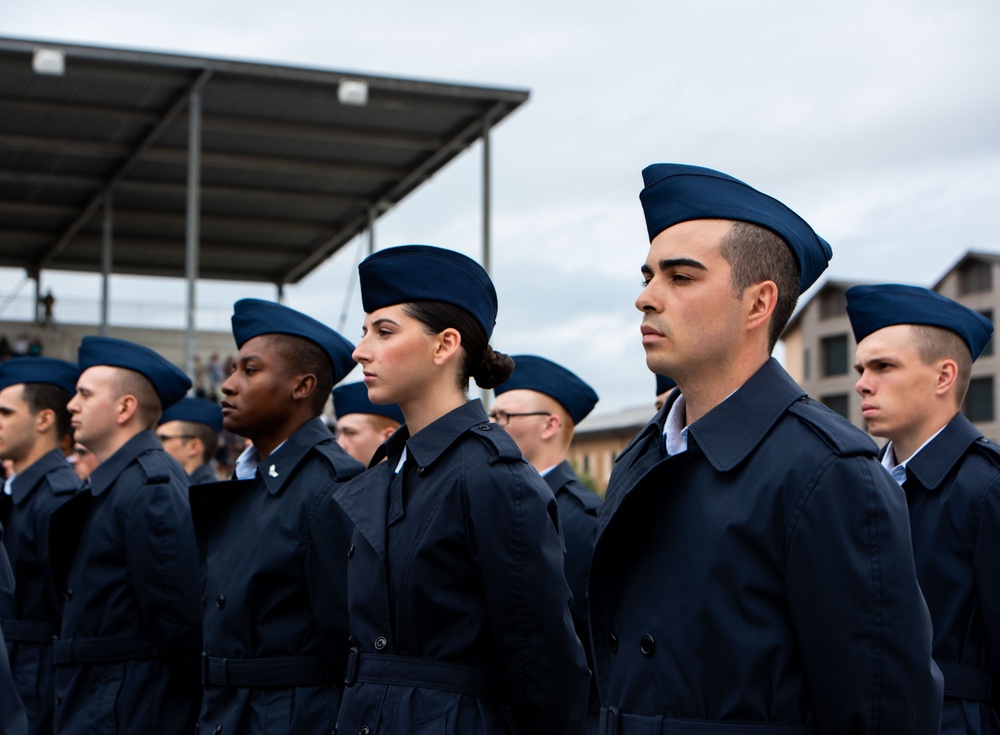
540	659
986	558
330	533
858	613
162	563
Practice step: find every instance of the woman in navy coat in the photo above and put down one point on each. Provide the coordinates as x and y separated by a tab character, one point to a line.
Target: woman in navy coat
458	605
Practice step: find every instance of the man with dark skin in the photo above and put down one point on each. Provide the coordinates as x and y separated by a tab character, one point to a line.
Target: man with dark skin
273	544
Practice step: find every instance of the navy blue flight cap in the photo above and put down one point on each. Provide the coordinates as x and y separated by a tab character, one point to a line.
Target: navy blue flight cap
169	382
254	317
425	273
195	411
353	398
676	193
544	376
871	308
663	384
48	370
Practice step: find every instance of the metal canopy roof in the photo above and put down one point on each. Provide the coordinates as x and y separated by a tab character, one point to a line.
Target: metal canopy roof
288	174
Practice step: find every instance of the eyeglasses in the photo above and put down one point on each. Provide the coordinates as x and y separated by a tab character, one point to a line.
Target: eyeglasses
503	418
166	437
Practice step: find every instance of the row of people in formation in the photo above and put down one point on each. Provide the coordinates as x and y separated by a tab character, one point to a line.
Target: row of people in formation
758	566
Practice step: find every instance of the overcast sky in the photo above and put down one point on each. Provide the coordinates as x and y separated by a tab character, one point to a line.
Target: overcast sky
878	121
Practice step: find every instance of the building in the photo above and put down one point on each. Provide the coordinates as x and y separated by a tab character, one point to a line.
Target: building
598	439
820	346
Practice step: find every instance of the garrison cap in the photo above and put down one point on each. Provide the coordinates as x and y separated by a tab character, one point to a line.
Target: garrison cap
675	193
353	398
425	273
544	376
254	317
169	382
195	411
663	384
48	370
871	308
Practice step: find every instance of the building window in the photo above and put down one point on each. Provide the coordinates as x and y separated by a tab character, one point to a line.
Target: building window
832	303
838	403
586	464
979	400
834	355
806	364
614	456
974	276
988	349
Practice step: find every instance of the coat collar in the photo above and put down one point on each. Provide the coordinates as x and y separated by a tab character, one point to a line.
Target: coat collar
25	482
106	473
281	464
732	430
726	435
932	464
560	475
365	499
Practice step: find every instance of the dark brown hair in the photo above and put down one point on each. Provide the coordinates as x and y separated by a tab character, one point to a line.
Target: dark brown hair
488	368
41	396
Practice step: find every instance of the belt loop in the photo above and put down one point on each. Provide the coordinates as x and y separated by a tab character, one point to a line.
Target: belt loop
609	721
351	675
204	668
225	672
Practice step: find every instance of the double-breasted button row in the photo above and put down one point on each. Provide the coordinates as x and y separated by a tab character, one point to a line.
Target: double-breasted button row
364	730
646	644
220	601
380	643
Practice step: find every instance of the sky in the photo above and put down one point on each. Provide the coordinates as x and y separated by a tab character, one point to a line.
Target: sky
878	121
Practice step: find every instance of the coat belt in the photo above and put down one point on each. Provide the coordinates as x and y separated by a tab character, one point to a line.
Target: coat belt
103	650
614	722
409	671
29	631
965	682
274	671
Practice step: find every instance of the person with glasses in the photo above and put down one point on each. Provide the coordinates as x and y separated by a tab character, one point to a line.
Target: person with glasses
458	604
189	431
34	392
539	406
273	544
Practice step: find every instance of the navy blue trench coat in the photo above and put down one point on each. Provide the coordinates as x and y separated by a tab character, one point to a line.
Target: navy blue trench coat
13	720
204	474
127	661
953	491
273	551
761	581
578	506
30	617
458	603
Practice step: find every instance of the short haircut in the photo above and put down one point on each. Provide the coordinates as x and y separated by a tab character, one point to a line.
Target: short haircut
301	357
209	438
757	254
937	343
41	396
380	423
136	384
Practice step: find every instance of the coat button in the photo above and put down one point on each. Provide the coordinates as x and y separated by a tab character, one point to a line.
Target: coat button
350	551
420	470
380	643
613	642
485	427
203	601
218	729
68	595
59	698
364	730
220	602
647	645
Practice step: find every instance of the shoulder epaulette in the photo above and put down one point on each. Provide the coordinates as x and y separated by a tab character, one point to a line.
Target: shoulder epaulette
343	465
989	448
63	479
502	447
154	466
840	435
